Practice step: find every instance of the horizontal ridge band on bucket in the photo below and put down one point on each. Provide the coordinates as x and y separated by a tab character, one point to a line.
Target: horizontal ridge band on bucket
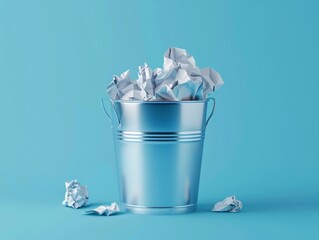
158	151
161	136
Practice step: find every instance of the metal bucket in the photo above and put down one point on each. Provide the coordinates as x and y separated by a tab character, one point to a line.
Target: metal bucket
158	147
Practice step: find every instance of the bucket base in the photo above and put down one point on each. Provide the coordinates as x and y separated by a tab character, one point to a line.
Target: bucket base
160	210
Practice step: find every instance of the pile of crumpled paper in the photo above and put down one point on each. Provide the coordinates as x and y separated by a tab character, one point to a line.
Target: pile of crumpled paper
179	80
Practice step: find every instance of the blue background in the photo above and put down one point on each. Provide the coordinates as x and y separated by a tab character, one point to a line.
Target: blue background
56	58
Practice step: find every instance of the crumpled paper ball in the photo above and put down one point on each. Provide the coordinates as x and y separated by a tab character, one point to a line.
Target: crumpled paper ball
76	196
107	210
229	204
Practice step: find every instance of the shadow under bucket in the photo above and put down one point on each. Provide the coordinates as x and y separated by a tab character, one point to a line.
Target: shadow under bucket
158	149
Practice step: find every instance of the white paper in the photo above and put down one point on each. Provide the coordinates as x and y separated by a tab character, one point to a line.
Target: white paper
165	94
174	57
229	204
189	90
105	210
146	79
76	196
179	80
120	85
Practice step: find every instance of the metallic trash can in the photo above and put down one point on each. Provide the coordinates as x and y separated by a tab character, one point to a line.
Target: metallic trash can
158	149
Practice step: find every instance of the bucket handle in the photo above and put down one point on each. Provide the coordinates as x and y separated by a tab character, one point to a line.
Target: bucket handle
213	109
107	114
